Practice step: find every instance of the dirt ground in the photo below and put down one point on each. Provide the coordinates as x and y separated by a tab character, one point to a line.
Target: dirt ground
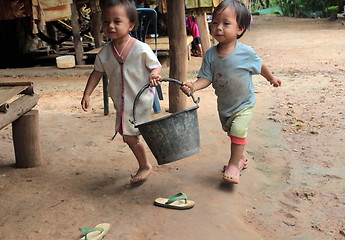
293	188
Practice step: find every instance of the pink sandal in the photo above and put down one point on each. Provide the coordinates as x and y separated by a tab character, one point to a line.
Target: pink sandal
243	165
232	176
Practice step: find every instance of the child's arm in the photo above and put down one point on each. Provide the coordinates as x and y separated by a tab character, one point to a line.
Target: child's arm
90	86
191	87
265	72
155	77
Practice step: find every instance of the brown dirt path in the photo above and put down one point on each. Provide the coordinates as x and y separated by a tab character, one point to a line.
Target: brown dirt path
293	188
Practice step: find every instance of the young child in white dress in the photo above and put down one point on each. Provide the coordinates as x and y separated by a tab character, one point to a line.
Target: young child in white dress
129	65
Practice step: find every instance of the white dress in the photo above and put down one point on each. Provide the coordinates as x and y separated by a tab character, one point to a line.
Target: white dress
125	81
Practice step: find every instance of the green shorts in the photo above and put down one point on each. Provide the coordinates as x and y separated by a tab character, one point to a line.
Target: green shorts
237	125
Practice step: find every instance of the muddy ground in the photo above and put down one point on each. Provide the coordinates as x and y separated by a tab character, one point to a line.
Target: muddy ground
293	188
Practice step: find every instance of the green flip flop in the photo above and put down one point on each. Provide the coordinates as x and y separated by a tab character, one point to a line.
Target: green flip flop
178	201
96	233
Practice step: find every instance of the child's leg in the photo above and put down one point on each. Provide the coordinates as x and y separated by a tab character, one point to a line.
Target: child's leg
238	126
200	49
237	153
145	168
243	163
232	171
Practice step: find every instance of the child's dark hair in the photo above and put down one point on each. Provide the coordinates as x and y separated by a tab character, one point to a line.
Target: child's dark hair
242	13
129	8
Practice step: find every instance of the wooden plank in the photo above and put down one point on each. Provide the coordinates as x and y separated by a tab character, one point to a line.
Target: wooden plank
163	43
10	84
204	32
7	93
93	51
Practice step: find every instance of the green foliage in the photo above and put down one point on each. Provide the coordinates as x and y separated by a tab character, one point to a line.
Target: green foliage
296	7
331	11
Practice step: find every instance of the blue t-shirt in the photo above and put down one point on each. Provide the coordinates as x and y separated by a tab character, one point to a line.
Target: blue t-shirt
231	77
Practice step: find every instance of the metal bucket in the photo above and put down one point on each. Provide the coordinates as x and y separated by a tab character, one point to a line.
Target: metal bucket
172	137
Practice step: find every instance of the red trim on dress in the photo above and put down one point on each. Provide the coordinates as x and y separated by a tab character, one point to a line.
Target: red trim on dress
121	130
237	140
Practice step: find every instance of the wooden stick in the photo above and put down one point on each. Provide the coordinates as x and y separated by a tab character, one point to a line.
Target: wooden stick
18	108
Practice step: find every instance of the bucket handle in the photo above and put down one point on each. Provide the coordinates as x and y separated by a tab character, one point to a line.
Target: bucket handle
196	101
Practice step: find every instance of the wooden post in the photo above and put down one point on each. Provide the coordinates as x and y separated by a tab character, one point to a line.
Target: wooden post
177	53
78	47
204	32
105	94
51	31
26	140
96	23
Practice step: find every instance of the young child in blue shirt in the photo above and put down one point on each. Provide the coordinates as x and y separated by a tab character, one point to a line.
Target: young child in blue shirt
229	67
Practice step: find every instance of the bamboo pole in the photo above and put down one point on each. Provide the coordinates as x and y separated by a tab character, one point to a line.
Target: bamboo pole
18	108
4	107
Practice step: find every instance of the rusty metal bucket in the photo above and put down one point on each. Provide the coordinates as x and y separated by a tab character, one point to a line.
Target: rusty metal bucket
171	137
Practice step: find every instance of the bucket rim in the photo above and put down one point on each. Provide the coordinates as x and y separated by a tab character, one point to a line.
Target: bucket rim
168	116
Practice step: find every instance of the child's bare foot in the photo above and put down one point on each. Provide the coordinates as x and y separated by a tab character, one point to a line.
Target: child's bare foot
133	174
141	175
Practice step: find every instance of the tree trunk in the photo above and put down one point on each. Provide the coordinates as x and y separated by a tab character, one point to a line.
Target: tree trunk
26	140
267	3
262	4
177	53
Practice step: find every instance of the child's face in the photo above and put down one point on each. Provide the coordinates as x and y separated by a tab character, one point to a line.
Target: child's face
225	28
116	24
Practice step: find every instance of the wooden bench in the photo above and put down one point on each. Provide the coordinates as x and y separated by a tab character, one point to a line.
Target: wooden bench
163	42
17	109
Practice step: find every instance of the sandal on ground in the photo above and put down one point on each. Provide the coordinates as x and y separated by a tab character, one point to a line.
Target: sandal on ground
232	176
96	233
243	164
179	201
